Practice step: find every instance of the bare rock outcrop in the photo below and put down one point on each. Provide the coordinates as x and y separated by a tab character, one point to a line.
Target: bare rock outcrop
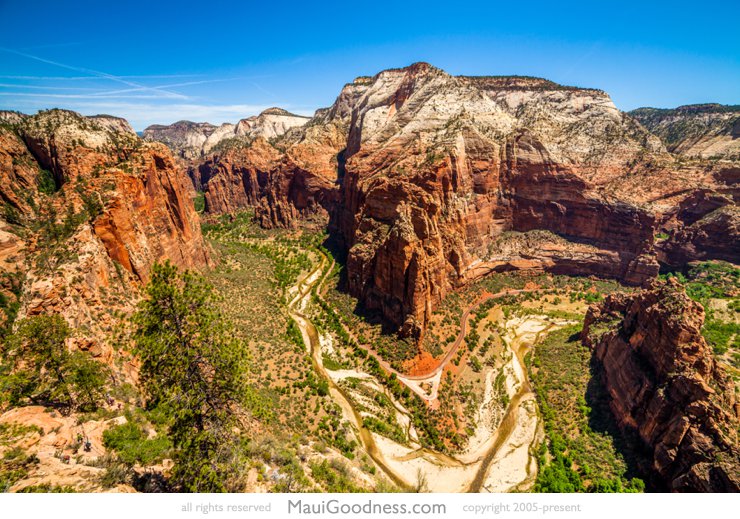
665	384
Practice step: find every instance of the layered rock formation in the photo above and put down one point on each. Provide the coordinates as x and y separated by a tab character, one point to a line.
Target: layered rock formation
665	384
707	130
706	224
236	177
96	206
191	140
430	179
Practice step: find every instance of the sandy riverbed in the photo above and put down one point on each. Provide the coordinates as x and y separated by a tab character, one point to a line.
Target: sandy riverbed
499	456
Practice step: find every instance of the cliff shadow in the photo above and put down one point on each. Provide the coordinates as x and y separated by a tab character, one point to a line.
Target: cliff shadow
335	245
626	442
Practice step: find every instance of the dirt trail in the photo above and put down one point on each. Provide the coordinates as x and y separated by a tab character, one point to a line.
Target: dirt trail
311	339
401	463
434	377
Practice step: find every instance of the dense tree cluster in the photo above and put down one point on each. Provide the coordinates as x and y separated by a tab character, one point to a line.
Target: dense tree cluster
37	367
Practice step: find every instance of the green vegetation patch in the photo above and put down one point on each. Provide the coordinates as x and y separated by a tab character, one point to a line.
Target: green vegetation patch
132	444
582	451
199	201
37	368
333	476
15	465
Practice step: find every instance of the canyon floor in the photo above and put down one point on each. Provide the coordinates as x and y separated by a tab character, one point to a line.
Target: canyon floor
461	412
340	404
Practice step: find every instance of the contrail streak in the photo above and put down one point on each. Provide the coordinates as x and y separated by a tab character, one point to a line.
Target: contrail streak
139	89
166	93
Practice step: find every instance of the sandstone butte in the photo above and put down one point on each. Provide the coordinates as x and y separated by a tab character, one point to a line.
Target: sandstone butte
139	210
430	181
665	385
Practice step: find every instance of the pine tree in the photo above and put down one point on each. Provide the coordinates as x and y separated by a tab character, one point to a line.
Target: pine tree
38	367
192	365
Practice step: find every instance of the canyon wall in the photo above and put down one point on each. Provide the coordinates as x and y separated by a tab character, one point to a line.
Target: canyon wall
93	207
430	181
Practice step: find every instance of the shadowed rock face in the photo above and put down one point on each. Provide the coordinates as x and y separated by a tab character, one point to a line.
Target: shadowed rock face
706	224
431	181
665	384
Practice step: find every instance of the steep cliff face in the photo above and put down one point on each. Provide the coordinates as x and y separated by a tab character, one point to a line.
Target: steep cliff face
431	181
705	224
438	168
665	384
108	207
708	130
19	177
236	177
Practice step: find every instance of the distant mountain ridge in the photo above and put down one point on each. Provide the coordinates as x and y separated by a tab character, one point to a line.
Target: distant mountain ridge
706	130
191	140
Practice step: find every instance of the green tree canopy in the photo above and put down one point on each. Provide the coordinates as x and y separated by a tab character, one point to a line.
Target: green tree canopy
193	365
37	367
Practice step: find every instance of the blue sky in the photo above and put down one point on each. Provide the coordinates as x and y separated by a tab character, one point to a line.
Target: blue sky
221	61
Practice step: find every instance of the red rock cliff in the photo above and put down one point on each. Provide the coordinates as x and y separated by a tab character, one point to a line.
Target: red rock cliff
665	384
119	204
431	181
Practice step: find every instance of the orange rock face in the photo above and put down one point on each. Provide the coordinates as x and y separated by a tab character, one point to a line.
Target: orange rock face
236	178
150	217
121	205
665	384
19	175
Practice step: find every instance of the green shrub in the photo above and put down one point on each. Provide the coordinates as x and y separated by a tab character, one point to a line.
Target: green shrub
46	182
132	445
199	201
37	367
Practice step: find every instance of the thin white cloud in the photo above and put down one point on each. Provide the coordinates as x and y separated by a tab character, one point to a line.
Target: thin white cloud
164	93
173	85
92	78
140	104
78	96
49	87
